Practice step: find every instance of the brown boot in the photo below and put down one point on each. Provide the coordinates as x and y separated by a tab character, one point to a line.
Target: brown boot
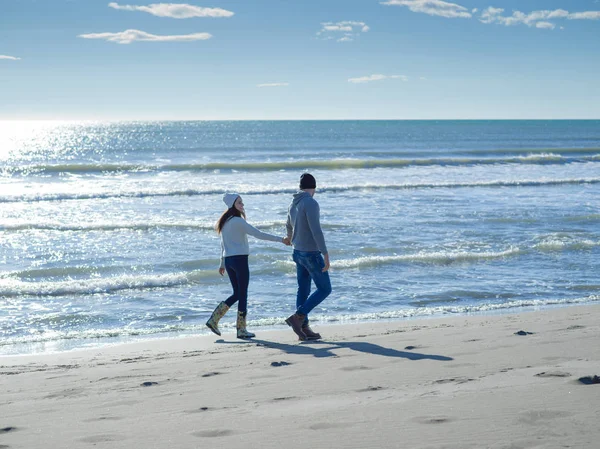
310	335
296	321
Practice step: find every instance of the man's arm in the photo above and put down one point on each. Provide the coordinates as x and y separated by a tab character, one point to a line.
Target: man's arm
288	226
314	223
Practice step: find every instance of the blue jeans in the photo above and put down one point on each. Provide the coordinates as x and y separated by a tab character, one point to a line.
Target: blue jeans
239	275
309	266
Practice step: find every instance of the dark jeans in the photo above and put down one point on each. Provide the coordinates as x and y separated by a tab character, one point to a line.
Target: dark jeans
309	266
239	275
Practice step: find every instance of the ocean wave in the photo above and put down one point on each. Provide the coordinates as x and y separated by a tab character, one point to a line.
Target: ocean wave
13	285
15	226
438	257
10	287
334	164
130	226
269	190
564	245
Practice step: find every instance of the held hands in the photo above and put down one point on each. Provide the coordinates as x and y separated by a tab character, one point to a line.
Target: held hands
326	267
286	241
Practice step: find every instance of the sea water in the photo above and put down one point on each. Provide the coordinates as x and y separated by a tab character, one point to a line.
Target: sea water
107	228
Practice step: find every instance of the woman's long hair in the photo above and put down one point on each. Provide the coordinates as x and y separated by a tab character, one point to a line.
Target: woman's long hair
231	212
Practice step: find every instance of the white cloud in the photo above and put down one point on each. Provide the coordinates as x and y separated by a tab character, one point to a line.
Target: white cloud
367	79
433	8
129	36
350	29
546	25
273	85
175	10
538	19
587	15
12	58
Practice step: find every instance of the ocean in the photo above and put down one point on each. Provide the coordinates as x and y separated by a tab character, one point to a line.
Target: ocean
107	228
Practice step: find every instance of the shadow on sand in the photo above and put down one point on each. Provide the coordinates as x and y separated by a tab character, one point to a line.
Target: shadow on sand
323	349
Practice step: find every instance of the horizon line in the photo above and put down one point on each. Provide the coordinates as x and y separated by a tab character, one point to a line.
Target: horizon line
292	119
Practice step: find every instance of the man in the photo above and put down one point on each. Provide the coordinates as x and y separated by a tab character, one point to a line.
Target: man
310	254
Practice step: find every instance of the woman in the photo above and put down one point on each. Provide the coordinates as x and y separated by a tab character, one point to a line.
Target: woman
234	230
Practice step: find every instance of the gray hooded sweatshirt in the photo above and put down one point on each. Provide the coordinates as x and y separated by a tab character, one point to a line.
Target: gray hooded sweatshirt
303	226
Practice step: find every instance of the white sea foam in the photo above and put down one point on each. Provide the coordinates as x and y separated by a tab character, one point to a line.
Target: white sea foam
10	287
270	190
303	164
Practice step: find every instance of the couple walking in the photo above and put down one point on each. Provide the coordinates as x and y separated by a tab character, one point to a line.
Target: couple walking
310	255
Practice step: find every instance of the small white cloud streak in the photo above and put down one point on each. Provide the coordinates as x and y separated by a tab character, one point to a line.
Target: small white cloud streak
174	10
273	85
587	15
336	28
129	36
376	77
11	58
545	25
538	19
351	29
433	8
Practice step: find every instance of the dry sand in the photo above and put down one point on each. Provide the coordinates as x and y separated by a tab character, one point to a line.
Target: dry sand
459	382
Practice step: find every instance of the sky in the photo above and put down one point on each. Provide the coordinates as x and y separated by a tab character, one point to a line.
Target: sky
299	59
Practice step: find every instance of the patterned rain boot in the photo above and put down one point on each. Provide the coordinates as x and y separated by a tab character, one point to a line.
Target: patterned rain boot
310	334
213	321
241	326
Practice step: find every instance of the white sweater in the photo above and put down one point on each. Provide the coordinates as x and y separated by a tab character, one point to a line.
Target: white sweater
234	238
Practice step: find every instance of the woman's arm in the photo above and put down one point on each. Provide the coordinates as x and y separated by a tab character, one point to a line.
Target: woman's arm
251	230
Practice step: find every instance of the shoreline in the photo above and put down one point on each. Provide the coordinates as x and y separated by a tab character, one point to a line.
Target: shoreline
70	345
450	382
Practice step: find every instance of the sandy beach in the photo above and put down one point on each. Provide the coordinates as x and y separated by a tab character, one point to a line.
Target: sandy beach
457	382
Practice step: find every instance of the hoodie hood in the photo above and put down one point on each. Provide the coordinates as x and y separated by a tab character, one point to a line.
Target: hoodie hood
299	197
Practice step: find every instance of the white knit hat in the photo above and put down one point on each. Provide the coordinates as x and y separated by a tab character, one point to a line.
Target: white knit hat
229	199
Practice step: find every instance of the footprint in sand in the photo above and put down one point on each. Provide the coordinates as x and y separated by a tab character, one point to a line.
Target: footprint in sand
553	374
432	419
7	429
535	417
458	380
101	439
148	384
355	368
280	363
199	410
213	433
214	373
103	418
364	390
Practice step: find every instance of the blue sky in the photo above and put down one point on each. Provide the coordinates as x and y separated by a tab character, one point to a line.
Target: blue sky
299	59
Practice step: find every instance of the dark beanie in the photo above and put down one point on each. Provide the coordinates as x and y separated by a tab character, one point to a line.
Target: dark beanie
307	181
